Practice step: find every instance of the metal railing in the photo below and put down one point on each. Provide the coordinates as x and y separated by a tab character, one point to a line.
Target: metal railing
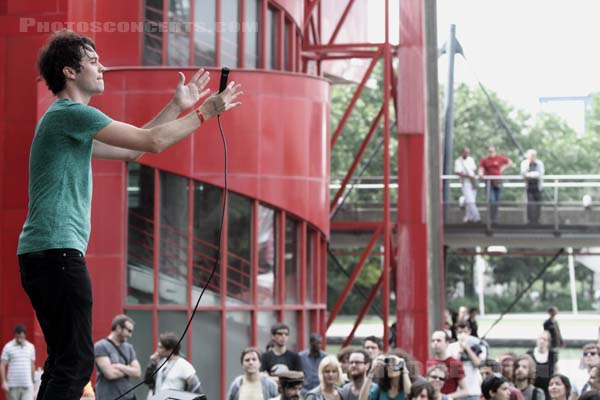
568	202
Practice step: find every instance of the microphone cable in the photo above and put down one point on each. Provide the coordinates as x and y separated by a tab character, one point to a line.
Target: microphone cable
212	272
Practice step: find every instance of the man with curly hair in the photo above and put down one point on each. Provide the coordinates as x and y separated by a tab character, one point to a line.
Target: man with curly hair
55	235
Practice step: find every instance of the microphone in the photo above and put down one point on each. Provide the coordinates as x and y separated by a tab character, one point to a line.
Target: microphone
224	78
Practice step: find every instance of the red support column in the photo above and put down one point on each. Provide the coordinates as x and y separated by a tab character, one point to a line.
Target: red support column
411	305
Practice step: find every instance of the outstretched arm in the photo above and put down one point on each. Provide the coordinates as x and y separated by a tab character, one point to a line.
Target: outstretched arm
159	138
185	97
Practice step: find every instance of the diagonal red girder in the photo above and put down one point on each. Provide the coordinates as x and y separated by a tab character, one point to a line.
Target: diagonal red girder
356	160
354	99
340	302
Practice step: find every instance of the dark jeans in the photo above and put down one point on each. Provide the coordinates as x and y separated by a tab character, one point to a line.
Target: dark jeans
534	205
494	193
59	287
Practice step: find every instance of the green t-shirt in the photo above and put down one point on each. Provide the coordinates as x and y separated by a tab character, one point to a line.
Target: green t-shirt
60	178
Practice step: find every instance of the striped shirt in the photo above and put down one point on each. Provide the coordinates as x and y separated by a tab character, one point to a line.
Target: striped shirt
19	359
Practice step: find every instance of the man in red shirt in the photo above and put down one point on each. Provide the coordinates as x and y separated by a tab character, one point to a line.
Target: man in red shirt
455	385
493	164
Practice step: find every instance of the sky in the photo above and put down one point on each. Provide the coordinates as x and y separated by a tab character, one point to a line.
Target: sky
525	50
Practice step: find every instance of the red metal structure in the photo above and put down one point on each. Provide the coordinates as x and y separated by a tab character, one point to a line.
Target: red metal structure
152	245
405	255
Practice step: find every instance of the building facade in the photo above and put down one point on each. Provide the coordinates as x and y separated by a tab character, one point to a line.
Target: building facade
156	222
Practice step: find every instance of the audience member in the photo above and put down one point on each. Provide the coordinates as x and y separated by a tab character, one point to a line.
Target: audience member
251	385
421	390
590	356
489	368
116	361
280	358
468	350
472	320
330	380
495	387
175	374
493	165
559	387
545	361
455	384
524	371
310	362
551	325
19	356
532	171
343	357
373	345
359	362
465	168
290	385
437	375
392	379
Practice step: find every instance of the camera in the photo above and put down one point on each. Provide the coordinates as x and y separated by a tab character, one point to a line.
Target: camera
390	362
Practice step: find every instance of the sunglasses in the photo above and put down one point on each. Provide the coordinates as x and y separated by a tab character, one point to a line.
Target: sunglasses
437	378
590	353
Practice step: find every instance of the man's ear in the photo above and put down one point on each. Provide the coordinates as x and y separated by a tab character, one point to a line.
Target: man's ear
69	72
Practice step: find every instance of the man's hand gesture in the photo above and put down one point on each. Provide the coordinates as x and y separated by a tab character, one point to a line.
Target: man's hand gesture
188	95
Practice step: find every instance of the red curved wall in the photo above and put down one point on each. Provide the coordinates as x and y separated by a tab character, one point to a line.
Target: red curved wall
276	141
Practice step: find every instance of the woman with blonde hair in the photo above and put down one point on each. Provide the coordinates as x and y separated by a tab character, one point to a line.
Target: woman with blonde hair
330	378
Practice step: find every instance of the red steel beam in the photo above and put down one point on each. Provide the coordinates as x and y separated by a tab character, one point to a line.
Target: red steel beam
363	310
356	160
341	21
359	90
340	302
308	12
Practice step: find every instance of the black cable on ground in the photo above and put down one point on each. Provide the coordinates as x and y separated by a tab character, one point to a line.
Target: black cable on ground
529	285
212	272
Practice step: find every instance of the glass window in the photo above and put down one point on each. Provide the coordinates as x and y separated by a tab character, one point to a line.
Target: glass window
291	320
251	31
238	338
291	261
272	38
153	39
287	39
174	322
267	256
179	33
204	32
230	29
264	321
140	234
142	343
206	352
207	227
310	267
239	240
173	260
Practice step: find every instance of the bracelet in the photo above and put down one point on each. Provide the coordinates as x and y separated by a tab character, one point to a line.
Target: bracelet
200	116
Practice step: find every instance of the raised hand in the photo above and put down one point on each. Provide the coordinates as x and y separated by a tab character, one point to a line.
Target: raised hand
218	103
188	95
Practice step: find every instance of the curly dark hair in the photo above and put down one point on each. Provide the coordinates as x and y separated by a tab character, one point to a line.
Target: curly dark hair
64	48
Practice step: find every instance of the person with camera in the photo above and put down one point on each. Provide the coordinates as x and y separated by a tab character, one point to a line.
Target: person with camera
468	350
391	376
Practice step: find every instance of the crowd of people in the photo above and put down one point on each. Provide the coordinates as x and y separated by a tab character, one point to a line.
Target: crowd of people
460	367
492	166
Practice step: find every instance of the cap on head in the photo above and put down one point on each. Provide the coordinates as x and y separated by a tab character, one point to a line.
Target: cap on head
291	377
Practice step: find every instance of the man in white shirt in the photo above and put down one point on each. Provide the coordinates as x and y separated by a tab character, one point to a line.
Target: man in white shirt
532	171
465	167
468	350
19	356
